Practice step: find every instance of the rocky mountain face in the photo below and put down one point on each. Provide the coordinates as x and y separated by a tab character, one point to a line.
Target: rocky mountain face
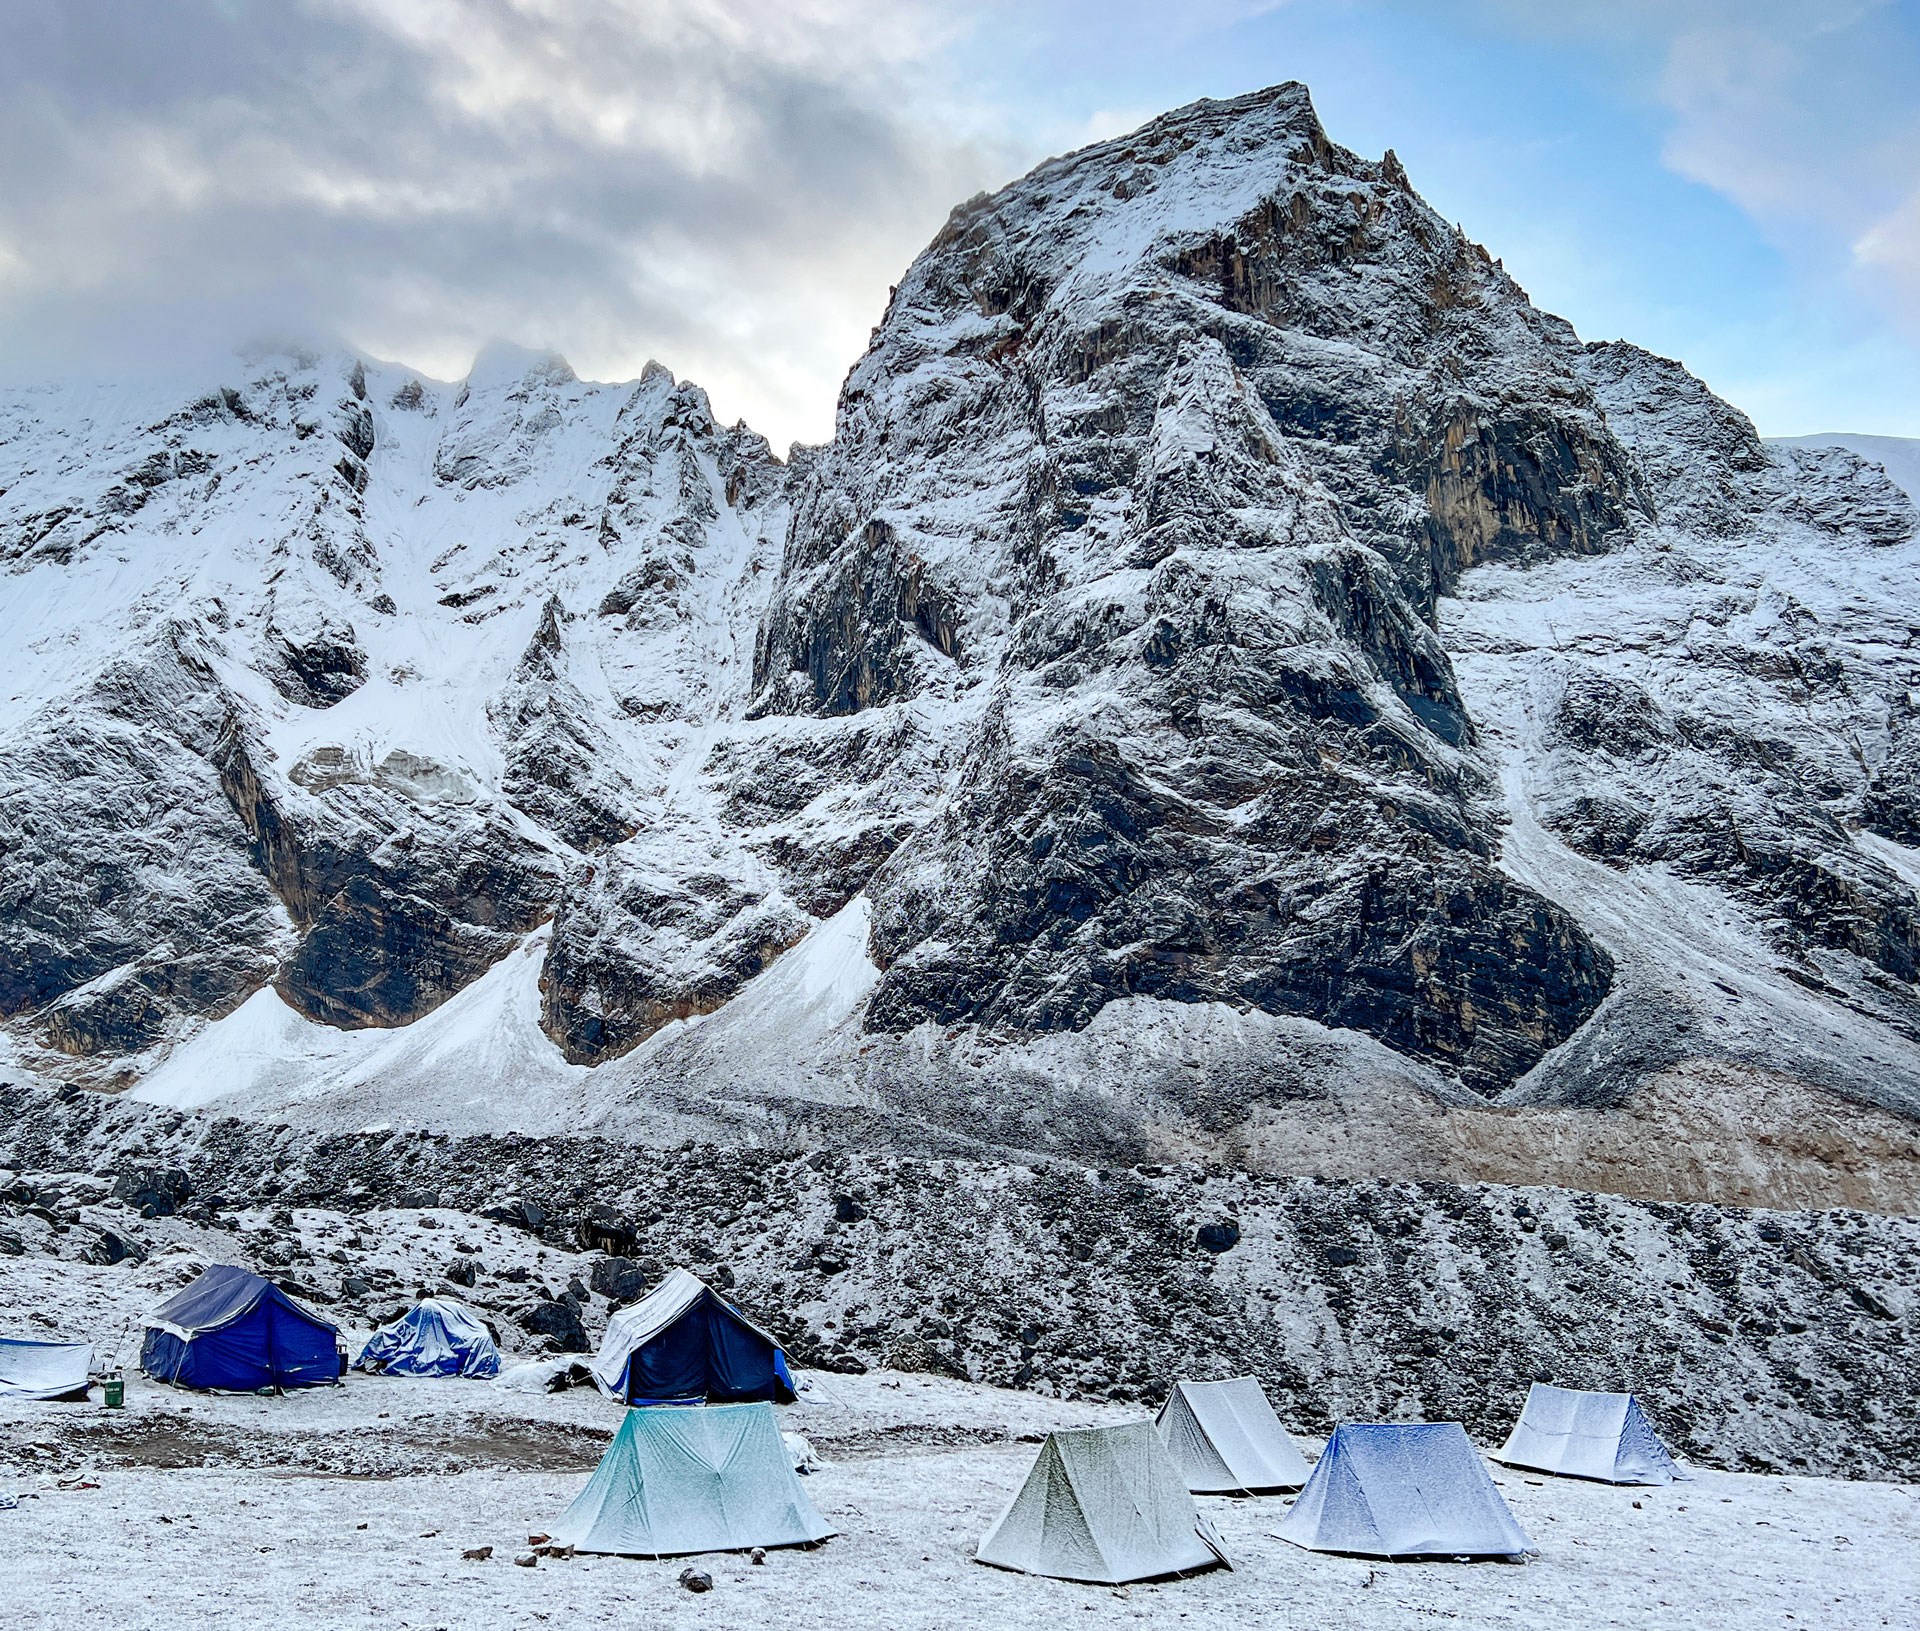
1236	662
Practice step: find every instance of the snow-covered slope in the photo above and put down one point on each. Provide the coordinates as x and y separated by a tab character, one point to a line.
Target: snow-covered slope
1899	456
1237	662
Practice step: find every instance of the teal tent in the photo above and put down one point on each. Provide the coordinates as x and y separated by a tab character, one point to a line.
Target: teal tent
692	1478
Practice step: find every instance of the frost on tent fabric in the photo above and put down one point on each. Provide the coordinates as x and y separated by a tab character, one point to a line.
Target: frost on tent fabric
684	1342
1105	1505
1225	1438
237	1332
692	1478
1587	1435
1403	1490
440	1337
44	1370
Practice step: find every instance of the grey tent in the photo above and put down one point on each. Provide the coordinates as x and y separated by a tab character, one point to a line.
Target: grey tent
692	1478
1587	1435
1224	1437
1103	1504
44	1370
1394	1489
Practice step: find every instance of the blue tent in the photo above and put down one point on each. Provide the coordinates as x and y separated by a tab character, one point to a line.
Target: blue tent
441	1337
1394	1489
233	1330
682	1341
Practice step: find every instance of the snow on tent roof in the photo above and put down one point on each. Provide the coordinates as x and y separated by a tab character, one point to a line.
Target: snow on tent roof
1103	1504
691	1478
44	1370
439	1337
1403	1490
683	1341
1587	1435
232	1329
1224	1436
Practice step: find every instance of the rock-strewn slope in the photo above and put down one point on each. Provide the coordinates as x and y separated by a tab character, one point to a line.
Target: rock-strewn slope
1759	1340
1235	654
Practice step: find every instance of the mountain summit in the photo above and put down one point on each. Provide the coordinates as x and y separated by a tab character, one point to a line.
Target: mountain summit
1236	654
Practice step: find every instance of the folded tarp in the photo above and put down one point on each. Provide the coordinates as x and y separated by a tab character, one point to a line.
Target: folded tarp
1403	1490
692	1478
439	1337
1587	1435
1103	1504
44	1370
1224	1437
234	1331
683	1342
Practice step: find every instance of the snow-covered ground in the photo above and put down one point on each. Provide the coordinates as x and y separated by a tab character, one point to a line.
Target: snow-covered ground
917	1467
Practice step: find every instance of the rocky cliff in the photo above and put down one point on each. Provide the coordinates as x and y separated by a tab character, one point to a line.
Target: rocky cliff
1236	661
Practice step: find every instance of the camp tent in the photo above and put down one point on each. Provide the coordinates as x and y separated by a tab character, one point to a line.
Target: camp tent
1224	1437
1403	1490
231	1329
44	1370
1587	1435
683	1342
1103	1504
692	1479
440	1337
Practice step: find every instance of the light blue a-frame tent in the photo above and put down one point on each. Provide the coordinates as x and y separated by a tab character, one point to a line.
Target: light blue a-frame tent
1587	1435
1395	1489
438	1337
692	1478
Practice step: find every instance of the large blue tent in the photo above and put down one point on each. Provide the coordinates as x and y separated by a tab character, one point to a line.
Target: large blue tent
440	1337
236	1331
681	1342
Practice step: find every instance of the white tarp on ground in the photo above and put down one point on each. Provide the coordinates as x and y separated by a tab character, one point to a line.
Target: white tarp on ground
1104	1504
1224	1436
1394	1489
43	1370
1587	1435
692	1478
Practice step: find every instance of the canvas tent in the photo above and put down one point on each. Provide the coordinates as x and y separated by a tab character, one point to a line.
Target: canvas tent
440	1337
683	1342
692	1478
233	1330
1587	1435
1224	1437
44	1370
1103	1504
1403	1490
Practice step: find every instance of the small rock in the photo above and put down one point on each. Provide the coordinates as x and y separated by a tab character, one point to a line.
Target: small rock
1222	1235
538	1540
476	1554
757	1555
696	1580
526	1560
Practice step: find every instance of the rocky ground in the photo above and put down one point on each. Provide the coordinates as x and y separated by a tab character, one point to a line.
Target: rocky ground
122	1523
1759	1340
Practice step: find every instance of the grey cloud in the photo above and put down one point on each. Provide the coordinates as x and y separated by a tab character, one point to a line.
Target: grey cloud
728	187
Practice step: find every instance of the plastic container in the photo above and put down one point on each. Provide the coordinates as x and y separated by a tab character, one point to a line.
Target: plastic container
113	1391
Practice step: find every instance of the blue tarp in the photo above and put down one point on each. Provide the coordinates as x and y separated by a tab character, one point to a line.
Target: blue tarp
441	1337
1393	1489
683	1342
44	1370
233	1330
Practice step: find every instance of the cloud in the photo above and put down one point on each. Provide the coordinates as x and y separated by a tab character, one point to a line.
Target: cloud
728	185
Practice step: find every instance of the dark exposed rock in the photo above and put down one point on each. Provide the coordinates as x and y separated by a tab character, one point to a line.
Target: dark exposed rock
558	1320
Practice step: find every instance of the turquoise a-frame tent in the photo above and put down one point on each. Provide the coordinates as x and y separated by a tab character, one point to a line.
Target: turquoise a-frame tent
1394	1489
692	1478
1587	1435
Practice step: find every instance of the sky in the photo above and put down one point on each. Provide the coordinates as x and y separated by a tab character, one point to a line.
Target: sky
730	186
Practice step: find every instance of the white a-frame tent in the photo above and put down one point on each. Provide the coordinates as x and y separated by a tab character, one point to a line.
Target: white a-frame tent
1103	1504
1393	1489
1225	1438
692	1478
1587	1435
